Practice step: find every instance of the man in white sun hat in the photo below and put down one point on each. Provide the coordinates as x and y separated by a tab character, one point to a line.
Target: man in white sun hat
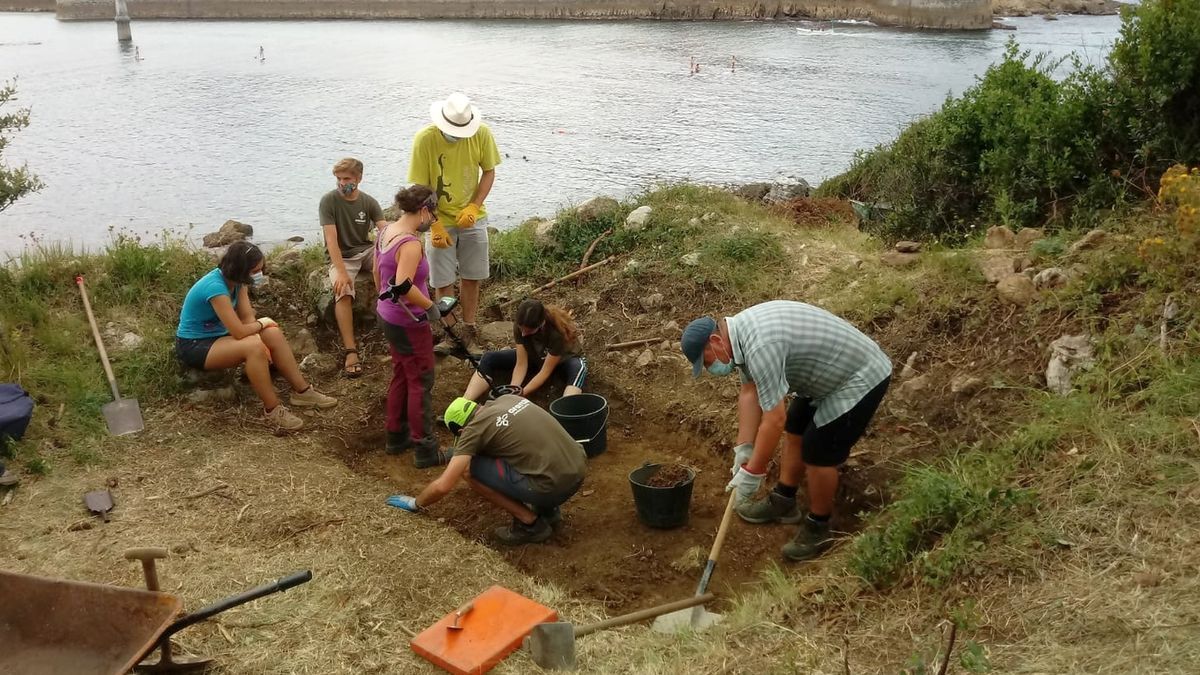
457	156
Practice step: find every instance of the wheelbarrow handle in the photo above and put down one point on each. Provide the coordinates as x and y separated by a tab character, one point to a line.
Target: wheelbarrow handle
208	612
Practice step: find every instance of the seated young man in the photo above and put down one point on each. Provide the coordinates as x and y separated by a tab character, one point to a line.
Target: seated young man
516	456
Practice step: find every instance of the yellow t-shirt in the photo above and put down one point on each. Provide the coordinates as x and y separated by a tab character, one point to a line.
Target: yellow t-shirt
452	169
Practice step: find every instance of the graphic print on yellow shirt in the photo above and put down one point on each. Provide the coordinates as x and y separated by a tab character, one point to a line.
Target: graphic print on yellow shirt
452	169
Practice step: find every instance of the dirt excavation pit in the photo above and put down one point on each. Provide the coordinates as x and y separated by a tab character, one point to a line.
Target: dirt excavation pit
602	551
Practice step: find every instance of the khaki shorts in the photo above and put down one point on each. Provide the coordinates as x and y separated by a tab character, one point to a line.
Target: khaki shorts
355	265
467	255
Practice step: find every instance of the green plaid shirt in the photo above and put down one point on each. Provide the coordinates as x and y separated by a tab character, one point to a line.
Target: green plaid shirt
783	346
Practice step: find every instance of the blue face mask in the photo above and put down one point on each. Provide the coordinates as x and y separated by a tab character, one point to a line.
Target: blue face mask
348	189
720	369
449	138
257	278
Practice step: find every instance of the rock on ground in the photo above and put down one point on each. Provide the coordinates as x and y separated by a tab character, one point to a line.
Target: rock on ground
1050	278
644	359
302	343
691	259
496	333
1027	236
651	302
1016	289
1090	240
784	192
908	246
995	266
596	207
317	363
999	236
965	385
1068	355
898	259
636	220
230	232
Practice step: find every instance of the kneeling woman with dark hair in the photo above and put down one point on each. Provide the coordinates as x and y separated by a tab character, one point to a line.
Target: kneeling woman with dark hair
547	343
218	330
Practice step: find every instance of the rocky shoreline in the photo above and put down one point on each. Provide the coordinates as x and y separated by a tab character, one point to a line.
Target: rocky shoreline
1011	8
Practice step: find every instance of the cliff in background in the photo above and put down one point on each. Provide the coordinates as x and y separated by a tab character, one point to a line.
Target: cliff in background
952	14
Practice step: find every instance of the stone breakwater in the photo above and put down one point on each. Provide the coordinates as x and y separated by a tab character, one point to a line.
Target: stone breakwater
947	14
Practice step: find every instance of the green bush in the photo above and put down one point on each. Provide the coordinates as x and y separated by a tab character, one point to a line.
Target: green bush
1024	147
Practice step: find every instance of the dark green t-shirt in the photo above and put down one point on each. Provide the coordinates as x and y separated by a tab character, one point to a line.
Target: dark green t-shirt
353	220
529	438
546	341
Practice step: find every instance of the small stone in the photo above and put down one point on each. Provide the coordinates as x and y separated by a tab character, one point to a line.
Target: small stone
999	236
1027	236
691	259
708	217
596	207
644	359
130	341
302	343
1051	278
1023	263
910	370
224	394
311	320
898	259
664	345
694	222
316	363
633	266
996	266
543	232
636	220
913	389
1090	240
966	385
1016	289
288	257
670	326
908	246
651	302
199	396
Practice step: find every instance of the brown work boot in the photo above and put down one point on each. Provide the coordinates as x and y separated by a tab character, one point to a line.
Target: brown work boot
282	418
519	533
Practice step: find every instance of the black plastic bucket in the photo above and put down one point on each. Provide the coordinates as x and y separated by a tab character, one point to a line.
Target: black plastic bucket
585	417
661	507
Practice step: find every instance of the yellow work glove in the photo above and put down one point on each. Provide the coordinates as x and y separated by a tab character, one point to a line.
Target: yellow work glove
439	235
468	215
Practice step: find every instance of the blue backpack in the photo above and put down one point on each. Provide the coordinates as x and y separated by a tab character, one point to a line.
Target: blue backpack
16	409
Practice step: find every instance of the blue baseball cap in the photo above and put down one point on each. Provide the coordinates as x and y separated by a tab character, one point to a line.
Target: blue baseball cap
695	336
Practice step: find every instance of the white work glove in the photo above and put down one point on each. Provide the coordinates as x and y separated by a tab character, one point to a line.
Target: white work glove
741	455
745	483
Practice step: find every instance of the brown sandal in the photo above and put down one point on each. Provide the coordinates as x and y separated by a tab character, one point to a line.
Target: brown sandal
351	370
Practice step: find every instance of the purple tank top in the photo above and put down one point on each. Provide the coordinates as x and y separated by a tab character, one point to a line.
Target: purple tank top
392	312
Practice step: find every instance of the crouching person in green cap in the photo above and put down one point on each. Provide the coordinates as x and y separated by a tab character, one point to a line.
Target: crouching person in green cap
516	456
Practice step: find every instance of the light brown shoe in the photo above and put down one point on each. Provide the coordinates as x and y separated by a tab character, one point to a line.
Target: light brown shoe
311	398
282	418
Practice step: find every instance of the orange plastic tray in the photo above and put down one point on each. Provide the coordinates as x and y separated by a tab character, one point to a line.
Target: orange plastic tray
492	630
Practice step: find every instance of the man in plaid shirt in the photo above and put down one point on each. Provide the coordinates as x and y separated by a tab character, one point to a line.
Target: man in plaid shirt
839	377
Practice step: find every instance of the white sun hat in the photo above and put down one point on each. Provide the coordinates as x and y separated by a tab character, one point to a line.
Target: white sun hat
456	115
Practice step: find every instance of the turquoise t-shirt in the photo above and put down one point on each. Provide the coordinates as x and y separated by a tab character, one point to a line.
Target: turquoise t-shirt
198	319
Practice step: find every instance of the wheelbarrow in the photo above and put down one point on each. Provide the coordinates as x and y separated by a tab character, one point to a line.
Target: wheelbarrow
52	626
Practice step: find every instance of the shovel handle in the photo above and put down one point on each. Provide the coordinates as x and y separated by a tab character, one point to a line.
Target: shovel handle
291	580
717	543
640	615
87	307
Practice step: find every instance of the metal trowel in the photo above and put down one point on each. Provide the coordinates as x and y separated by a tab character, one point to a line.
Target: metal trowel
99	502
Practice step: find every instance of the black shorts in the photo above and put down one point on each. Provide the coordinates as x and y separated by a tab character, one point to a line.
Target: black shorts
830	445
194	352
573	369
499	475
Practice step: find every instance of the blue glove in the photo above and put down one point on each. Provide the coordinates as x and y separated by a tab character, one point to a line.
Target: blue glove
404	502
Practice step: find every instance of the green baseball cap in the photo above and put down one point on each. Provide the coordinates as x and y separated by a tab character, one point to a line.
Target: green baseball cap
458	413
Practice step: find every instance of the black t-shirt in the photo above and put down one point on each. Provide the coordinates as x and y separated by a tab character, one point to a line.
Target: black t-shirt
548	340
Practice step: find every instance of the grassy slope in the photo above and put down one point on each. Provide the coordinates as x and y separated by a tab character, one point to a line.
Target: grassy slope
1056	531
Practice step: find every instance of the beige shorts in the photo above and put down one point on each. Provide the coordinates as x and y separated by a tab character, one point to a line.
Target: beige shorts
467	256
355	265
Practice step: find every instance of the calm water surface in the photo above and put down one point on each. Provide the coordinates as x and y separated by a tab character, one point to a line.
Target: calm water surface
199	130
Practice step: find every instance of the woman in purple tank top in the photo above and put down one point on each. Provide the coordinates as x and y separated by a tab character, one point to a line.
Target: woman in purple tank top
405	308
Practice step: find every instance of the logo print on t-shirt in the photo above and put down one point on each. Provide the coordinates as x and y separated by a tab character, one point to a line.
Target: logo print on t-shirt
502	421
362	216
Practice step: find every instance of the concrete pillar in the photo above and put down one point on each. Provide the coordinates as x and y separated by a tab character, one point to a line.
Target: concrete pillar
124	34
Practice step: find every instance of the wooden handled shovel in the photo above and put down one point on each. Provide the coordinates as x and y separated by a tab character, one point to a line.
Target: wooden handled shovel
123	416
699	618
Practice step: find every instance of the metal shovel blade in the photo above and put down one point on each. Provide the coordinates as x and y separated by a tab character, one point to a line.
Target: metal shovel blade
123	416
696	619
99	502
552	645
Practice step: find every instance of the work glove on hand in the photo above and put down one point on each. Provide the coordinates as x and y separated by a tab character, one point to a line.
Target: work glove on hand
741	455
432	313
745	483
404	502
468	215
438	235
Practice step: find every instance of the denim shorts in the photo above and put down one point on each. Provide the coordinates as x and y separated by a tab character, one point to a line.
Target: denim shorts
499	475
194	352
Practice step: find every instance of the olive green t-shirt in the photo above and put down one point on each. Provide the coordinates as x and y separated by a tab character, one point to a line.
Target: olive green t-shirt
528	438
546	341
353	220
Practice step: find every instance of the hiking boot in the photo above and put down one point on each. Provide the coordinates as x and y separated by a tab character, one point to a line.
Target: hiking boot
553	517
426	454
282	418
311	398
470	336
519	533
774	508
811	539
447	346
398	442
